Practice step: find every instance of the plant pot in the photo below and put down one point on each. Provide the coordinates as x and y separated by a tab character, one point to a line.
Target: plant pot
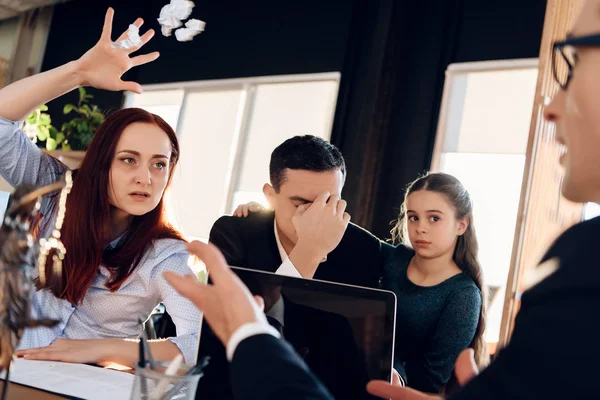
70	158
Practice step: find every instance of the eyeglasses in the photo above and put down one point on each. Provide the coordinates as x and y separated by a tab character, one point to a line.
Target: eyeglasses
564	57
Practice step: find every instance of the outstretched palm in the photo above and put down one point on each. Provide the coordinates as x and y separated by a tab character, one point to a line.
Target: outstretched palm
103	65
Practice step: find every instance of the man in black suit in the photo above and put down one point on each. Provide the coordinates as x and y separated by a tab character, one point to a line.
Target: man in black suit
239	322
308	232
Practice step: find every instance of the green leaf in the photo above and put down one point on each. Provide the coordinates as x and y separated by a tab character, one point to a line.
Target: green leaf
60	137
45	119
97	118
51	144
68	108
43	133
82	93
43	107
32	119
66	145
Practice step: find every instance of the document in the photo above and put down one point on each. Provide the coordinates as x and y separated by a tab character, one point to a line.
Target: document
77	380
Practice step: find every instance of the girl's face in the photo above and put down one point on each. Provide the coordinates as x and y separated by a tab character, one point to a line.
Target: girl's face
432	225
140	168
577	115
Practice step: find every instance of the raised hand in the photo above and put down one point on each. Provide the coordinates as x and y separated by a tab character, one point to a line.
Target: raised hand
103	65
320	228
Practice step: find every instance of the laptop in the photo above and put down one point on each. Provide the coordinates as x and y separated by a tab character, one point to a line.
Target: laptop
344	333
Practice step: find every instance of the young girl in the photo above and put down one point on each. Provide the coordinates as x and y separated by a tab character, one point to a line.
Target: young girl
438	282
115	231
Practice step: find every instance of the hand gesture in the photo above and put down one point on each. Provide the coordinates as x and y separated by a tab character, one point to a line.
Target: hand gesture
227	303
320	228
104	64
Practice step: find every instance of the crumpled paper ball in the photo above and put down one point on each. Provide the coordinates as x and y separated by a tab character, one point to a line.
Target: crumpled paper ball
192	28
133	38
172	14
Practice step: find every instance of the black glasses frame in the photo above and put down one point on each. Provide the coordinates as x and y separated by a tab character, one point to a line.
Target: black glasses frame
558	48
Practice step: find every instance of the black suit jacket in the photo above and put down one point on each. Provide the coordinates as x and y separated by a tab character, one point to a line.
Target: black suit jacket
250	243
554	351
264	367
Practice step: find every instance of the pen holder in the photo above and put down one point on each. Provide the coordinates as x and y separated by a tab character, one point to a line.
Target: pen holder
153	384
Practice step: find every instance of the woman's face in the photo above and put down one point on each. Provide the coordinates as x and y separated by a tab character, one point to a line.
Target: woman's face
140	169
576	113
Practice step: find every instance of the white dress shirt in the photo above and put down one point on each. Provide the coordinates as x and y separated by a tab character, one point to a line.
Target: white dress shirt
102	314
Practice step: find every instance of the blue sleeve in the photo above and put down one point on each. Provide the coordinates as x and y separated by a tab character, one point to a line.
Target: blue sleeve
21	161
184	313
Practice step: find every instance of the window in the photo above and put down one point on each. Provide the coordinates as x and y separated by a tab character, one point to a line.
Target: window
227	130
482	140
592	210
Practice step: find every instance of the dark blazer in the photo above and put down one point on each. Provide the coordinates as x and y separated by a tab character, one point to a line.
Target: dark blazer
553	352
250	243
264	367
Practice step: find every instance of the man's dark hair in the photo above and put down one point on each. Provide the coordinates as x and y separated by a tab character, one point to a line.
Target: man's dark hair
309	153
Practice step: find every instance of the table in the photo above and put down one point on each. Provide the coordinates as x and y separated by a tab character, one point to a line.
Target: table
19	392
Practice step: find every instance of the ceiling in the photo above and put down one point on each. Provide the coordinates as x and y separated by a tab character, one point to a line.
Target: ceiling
12	8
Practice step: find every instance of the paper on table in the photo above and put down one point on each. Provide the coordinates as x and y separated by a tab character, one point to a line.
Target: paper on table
78	380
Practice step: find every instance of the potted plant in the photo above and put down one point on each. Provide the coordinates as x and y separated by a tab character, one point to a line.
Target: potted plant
68	144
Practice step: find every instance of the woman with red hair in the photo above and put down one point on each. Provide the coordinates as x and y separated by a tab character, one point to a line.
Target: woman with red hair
116	233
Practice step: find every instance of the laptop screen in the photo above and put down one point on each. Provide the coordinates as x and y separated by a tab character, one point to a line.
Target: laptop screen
344	333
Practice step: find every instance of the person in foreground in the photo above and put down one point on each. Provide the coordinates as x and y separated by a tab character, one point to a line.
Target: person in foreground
239	322
553	353
117	237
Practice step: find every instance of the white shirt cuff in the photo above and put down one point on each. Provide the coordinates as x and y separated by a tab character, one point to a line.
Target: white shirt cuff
247	330
287	268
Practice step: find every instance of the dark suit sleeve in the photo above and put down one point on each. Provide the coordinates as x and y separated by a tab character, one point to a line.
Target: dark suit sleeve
553	353
227	236
264	368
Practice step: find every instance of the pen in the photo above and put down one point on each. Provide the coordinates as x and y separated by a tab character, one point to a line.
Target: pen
144	340
142	365
171	370
199	367
195	370
142	360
